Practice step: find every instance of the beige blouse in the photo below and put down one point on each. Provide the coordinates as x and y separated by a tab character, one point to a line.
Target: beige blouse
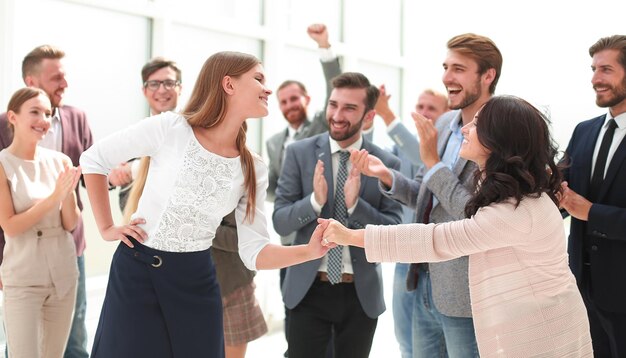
525	301
45	254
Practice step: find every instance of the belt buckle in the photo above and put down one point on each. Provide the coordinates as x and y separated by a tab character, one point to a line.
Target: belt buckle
159	261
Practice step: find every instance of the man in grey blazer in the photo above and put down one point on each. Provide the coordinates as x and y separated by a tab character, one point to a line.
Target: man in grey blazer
293	101
69	133
343	297
442	323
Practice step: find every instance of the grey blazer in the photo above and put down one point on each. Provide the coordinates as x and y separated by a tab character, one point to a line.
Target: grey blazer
407	149
293	212
453	189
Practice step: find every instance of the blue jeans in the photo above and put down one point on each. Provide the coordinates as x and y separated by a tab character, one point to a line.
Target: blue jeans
77	343
435	334
402	308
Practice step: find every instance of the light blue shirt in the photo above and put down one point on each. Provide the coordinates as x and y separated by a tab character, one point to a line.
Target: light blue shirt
450	154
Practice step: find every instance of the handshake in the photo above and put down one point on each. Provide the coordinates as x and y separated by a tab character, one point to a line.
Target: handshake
329	233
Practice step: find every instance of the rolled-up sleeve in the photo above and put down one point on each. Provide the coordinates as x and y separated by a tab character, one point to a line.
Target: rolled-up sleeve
253	234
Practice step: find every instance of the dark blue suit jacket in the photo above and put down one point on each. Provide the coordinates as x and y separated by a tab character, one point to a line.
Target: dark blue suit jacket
293	212
606	227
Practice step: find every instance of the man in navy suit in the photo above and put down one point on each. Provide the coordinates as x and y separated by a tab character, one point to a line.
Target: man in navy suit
334	295
595	196
69	133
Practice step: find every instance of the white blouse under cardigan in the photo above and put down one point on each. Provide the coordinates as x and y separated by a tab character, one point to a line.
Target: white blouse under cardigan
188	189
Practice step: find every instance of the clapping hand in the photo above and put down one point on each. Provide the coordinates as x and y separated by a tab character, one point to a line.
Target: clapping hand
371	166
320	186
427	134
66	182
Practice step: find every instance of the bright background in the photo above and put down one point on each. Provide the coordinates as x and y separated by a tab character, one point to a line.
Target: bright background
400	43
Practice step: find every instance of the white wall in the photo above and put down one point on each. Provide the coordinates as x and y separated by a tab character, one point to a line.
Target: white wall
397	42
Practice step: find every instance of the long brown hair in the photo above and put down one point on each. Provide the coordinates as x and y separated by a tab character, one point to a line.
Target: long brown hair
522	160
207	107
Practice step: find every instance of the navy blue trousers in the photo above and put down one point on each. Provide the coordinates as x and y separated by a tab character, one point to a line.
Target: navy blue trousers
165	307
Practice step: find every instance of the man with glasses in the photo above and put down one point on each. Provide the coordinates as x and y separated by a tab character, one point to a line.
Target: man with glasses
161	80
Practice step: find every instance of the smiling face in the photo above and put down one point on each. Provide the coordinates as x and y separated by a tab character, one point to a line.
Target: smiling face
162	99
250	92
293	104
431	106
471	148
32	121
345	114
609	81
462	80
50	77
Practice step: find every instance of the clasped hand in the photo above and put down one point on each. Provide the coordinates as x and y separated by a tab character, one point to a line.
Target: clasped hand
333	233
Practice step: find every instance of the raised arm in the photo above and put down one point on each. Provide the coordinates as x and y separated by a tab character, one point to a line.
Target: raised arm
331	68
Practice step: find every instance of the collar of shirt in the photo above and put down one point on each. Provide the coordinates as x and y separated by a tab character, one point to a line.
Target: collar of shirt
291	131
455	126
334	146
620	120
56	116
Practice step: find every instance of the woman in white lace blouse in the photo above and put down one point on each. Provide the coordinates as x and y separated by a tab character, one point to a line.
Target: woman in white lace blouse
162	298
525	302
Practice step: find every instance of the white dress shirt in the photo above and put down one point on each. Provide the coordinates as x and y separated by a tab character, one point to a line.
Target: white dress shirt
619	134
346	261
54	138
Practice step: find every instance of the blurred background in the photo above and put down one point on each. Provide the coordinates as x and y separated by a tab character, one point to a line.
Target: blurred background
399	43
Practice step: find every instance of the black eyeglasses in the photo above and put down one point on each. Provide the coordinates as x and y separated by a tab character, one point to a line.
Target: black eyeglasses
154	85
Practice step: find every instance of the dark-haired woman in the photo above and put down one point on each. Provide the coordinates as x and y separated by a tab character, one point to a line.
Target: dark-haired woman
525	302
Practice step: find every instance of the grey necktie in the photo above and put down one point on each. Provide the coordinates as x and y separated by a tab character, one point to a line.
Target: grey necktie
340	214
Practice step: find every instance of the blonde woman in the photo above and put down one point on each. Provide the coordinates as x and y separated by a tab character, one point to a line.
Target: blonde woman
163	299
37	212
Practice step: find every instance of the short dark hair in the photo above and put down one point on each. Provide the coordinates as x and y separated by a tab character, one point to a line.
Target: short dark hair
30	64
156	64
615	42
358	80
482	50
293	82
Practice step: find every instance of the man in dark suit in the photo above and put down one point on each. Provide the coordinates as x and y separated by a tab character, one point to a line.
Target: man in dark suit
342	292
69	133
595	197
